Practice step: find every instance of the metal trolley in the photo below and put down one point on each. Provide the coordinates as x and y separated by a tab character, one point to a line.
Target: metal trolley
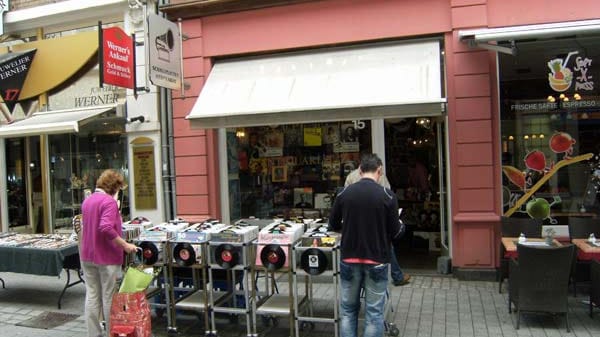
155	251
316	254
231	251
274	255
189	252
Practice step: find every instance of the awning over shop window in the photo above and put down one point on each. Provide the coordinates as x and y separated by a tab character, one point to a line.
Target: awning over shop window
481	37
370	81
52	122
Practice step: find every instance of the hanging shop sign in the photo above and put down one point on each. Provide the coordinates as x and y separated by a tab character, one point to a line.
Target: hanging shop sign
117	55
14	68
4	7
144	174
562	73
164	52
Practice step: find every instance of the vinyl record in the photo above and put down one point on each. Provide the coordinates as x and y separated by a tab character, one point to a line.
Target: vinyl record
149	253
184	254
272	257
227	256
313	261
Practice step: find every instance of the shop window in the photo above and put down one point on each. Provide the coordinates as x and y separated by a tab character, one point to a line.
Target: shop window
292	170
16	182
550	129
76	162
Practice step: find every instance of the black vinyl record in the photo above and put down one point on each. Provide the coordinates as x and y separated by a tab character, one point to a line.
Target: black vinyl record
227	256
149	253
184	254
313	261
272	257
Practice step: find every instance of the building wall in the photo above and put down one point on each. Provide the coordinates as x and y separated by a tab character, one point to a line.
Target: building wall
22	4
471	76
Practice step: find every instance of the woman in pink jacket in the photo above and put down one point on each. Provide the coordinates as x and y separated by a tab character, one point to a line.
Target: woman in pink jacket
102	248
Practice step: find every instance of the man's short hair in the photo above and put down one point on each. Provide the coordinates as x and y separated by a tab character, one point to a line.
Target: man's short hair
370	163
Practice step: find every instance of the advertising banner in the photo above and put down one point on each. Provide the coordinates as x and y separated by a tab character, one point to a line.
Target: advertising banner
117	58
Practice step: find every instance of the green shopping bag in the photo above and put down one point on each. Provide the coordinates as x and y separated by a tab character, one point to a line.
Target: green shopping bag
135	280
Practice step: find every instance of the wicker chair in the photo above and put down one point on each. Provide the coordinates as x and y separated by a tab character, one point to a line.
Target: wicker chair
595	288
513	227
539	281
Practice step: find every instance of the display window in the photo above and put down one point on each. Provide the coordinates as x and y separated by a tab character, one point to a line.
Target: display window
550	134
292	170
76	162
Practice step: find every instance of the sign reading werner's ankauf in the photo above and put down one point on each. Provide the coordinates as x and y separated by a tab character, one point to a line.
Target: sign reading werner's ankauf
118	59
164	52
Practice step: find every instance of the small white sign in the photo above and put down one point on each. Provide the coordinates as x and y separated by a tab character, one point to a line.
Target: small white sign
4	7
164	52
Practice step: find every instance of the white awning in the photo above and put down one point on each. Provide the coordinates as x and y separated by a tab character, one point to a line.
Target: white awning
52	122
369	81
481	37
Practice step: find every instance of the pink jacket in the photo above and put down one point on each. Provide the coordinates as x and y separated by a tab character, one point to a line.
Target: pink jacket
101	225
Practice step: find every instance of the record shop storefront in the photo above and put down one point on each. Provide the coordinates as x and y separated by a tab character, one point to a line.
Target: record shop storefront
292	126
51	160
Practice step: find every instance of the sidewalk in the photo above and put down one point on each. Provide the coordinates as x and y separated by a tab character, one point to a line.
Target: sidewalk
428	306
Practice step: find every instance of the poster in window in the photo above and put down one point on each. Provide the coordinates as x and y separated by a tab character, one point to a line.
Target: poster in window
303	197
349	140
322	200
312	136
331	134
258	166
349	162
279	174
292	135
273	143
331	167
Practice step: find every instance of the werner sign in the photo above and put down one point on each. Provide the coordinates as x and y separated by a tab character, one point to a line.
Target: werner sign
117	58
13	72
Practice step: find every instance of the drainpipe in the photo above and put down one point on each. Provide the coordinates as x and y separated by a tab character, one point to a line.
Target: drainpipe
168	154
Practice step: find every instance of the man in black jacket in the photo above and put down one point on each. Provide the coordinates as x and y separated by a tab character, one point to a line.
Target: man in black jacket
367	214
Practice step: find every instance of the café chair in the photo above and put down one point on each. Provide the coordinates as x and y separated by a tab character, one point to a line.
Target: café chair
595	288
539	281
513	227
581	228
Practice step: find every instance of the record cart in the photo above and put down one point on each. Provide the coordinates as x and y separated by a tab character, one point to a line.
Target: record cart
274	246
154	244
316	254
231	253
189	251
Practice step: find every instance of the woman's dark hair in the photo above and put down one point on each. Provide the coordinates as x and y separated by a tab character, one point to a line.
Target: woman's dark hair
370	162
110	181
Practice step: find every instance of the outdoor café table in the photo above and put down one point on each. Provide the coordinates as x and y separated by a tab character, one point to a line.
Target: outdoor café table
40	254
587	251
510	245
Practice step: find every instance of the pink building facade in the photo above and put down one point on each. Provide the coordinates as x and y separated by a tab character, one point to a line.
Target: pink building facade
470	83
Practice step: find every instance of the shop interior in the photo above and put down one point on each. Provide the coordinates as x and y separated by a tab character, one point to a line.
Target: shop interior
295	171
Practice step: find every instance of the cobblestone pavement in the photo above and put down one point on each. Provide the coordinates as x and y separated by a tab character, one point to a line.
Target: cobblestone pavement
428	306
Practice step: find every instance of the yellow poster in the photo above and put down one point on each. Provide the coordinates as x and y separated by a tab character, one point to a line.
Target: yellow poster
312	136
143	168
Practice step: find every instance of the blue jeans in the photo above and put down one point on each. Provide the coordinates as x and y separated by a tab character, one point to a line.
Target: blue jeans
397	274
374	280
